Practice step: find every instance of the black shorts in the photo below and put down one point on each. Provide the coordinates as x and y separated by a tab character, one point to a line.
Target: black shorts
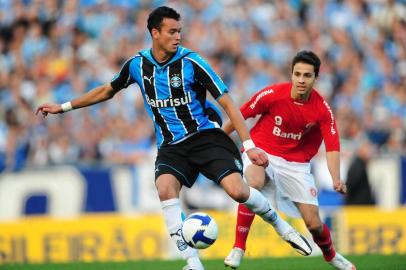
210	152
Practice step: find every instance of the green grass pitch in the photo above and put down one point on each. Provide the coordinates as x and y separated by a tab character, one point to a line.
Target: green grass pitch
367	262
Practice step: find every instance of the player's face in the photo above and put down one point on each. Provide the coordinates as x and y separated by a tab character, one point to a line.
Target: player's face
303	79
168	37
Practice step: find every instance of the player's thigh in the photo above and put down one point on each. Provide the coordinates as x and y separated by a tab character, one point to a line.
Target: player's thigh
173	160
215	155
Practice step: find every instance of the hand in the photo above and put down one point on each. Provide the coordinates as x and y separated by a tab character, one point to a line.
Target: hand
49	108
258	157
340	186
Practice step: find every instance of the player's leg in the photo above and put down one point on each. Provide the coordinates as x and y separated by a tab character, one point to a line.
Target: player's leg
237	189
255	176
170	177
322	237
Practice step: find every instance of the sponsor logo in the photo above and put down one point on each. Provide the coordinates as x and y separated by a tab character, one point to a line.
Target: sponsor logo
169	102
238	164
273	217
246	214
181	245
176	81
294	136
266	92
149	79
332	129
243	229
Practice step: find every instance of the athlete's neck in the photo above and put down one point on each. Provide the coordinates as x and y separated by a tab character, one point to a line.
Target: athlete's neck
160	55
299	97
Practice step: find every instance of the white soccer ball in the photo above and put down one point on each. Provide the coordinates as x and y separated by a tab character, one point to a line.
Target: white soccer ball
199	230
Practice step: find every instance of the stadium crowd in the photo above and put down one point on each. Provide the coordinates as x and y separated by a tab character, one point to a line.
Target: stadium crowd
54	50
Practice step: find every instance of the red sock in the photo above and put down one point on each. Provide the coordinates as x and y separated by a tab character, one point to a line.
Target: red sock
245	218
323	240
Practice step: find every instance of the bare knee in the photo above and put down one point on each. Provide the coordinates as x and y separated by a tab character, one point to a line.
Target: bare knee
167	187
256	182
314	225
311	217
236	188
239	195
255	176
165	192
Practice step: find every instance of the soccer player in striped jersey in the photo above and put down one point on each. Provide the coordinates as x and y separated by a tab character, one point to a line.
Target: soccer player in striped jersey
174	82
294	120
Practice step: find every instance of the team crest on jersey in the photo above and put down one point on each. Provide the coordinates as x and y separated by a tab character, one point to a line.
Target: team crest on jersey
313	192
308	127
176	81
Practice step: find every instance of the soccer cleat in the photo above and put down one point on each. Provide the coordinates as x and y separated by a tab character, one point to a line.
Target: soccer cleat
234	258
341	263
298	242
193	263
189	267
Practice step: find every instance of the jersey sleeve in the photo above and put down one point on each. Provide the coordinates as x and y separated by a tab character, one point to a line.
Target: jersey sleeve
258	104
207	77
328	128
123	78
213	113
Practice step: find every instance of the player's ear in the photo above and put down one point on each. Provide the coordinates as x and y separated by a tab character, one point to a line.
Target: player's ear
155	33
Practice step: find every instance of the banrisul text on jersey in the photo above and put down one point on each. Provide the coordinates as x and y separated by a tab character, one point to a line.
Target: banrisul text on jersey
174	92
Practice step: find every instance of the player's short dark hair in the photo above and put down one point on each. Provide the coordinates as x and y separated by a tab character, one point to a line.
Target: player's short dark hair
157	15
307	57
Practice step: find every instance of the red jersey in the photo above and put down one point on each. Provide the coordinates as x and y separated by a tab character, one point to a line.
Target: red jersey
288	128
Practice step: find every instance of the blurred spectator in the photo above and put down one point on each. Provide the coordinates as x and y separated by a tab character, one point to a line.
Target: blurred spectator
54	50
359	188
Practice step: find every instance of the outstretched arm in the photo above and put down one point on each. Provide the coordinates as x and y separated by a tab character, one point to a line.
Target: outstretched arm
257	156
96	95
333	164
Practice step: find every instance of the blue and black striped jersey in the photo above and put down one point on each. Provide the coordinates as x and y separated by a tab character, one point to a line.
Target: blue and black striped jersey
174	93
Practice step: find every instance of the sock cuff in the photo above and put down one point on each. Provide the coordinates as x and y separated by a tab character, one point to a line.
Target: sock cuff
170	202
251	197
326	231
324	236
244	210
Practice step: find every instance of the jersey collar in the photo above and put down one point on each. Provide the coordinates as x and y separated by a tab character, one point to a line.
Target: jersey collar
180	53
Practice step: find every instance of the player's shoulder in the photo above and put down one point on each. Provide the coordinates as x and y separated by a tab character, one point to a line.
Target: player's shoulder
183	51
191	55
272	93
320	102
133	58
129	62
282	87
278	89
317	97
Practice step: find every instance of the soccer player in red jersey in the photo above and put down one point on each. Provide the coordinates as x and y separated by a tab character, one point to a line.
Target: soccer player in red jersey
294	120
